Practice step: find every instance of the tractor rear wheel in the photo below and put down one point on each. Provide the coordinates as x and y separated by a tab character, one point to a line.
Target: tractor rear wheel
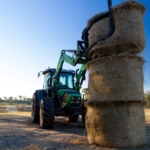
73	118
47	113
34	109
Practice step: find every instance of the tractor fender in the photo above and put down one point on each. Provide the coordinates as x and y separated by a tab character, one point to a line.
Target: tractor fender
39	95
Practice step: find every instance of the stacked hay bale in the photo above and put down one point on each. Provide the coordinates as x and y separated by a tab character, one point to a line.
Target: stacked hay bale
116	97
128	37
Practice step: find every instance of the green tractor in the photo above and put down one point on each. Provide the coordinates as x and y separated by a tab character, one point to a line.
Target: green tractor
57	99
60	95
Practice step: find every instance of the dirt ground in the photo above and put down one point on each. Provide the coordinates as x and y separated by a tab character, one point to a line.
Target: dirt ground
17	132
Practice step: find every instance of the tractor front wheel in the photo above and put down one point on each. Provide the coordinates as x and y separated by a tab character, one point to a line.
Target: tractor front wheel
47	113
73	118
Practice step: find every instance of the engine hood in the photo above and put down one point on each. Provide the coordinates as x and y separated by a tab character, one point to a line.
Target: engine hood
70	92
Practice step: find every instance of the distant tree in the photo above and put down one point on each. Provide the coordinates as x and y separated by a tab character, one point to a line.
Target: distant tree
5	97
0	98
147	98
85	93
28	99
20	97
15	98
24	97
10	98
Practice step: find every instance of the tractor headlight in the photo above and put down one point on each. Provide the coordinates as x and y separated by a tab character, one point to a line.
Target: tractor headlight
77	102
73	102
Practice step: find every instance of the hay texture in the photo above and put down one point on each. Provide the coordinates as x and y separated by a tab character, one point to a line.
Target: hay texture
114	125
116	78
128	37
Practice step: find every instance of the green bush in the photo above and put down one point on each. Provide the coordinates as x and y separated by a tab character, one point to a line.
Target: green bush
14	102
147	98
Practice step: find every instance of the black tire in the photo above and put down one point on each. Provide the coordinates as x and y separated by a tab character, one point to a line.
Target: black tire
47	113
34	109
73	118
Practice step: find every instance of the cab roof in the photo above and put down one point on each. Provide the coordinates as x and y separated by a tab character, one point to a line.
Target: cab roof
53	70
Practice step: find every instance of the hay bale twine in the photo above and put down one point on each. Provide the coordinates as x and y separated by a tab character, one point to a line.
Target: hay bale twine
115	124
128	36
116	78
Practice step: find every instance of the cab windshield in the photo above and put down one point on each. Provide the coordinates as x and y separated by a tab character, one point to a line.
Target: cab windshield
65	80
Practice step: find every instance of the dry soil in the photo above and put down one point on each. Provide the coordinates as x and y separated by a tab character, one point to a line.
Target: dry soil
17	132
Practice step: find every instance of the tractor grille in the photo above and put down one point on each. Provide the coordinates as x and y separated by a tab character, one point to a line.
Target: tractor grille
75	101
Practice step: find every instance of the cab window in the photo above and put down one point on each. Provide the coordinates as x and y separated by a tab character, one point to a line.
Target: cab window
66	80
46	80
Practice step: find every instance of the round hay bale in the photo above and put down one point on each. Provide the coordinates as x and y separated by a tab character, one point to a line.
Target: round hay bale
117	125
116	78
128	36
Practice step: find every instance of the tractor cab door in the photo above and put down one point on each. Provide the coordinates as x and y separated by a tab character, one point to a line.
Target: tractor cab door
47	86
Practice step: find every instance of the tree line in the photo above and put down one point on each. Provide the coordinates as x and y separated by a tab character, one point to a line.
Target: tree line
20	97
84	92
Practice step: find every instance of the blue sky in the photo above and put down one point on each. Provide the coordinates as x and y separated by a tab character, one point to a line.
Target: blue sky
33	33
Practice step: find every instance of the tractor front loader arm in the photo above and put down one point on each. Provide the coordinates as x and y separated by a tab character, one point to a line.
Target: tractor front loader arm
78	59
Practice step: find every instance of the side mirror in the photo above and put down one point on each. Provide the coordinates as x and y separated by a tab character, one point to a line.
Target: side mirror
39	73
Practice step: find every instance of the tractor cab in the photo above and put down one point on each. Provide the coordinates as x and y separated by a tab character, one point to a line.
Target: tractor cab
63	91
66	79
